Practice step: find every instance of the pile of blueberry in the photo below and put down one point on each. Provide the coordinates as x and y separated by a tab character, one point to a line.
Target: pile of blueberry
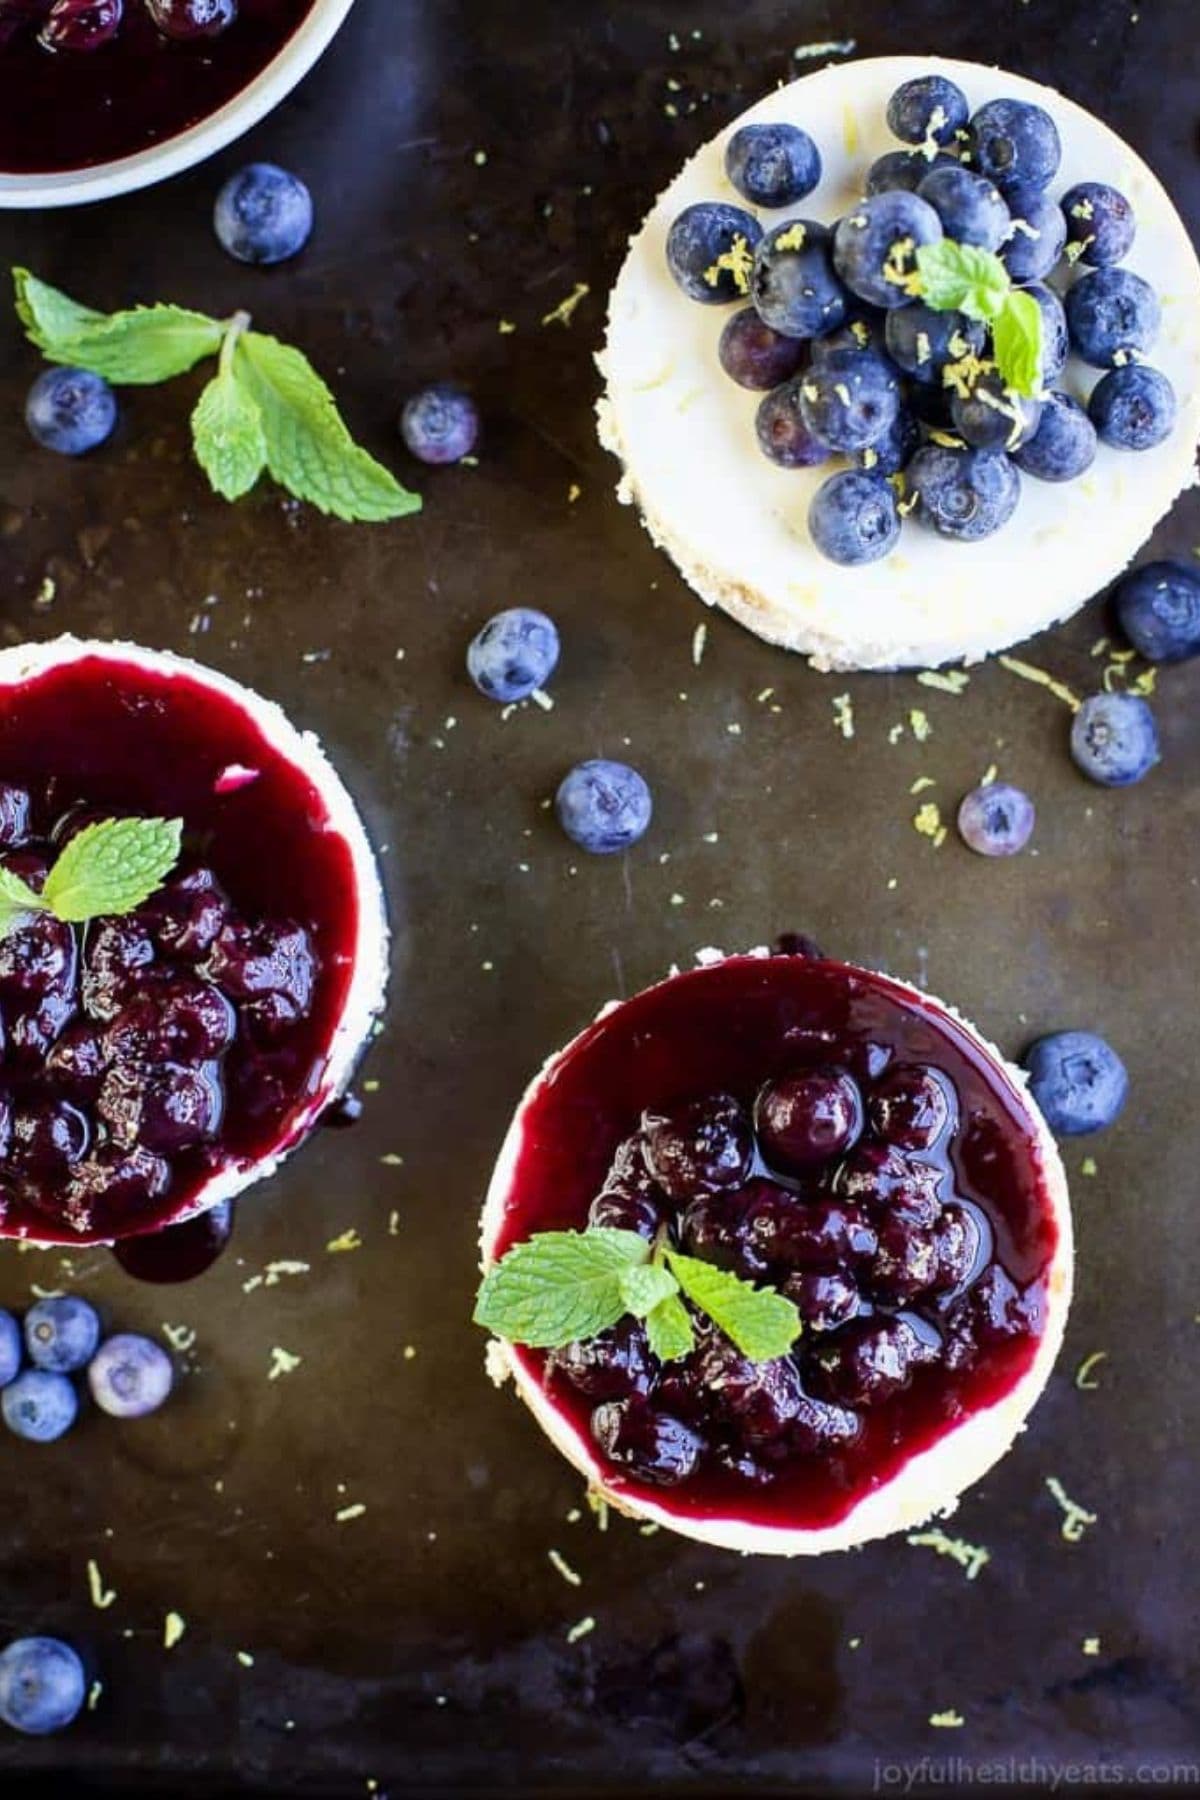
128	1376
85	25
854	365
131	1044
837	1187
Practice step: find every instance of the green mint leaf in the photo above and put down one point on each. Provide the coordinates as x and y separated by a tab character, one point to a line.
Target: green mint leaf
644	1285
111	867
669	1329
309	450
558	1286
1017	343
761	1323
962	278
17	901
136	348
227	436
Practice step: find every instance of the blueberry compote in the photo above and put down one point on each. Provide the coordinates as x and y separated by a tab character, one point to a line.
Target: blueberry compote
145	1054
817	1128
126	74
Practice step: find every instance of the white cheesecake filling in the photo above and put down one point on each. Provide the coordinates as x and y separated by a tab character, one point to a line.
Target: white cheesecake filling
736	524
368	980
932	1480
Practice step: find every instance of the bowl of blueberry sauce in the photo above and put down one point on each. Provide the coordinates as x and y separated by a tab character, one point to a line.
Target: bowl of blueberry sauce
98	97
156	1063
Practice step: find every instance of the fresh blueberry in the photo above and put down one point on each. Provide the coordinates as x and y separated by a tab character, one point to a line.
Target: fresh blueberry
888	454
710	251
130	1376
971	208
903	169
1013	143
70	411
1158	606
928	107
1056	342
39	1405
515	654
874	246
1078	1081
964	494
853	517
603	806
263	214
11	1348
1064	444
849	399
994	417
42	1686
1133	407
772	165
61	1334
782	432
1100	223
1037	236
1114	739
794	287
996	820
440	424
1112	311
754	355
922	342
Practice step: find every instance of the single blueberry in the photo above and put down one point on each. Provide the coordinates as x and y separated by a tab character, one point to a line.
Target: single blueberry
971	207
42	1685
710	251
903	169
1100	223
11	1348
1037	236
1056	342
782	433
928	107
964	494
1133	407
39	1405
515	654
1078	1081
440	424
1114	739
875	245
994	417
853	518
603	806
1064	444
793	286
754	355
922	342
1110	311
70	411
61	1333
189	21
849	399
996	820
772	165
263	214
1013	142
130	1376
1158	606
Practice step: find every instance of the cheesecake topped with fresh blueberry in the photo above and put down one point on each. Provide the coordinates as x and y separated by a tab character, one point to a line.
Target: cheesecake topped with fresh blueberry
905	364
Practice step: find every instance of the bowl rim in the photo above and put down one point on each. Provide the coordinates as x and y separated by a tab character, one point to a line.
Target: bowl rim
158	162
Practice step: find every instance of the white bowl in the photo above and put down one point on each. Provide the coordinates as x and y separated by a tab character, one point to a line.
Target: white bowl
76	187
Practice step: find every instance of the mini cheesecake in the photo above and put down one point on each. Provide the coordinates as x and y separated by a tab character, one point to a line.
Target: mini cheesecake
853	1144
736	524
159	1062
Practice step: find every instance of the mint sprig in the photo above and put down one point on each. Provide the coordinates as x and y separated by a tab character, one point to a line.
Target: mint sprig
558	1286
107	868
963	278
266	408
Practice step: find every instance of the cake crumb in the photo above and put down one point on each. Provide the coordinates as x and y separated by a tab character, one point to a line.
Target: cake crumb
573	493
1088	1166
347	1513
948	1720
699	640
919	725
1084	1380
102	1597
854	1643
506	327
564	312
843	714
348	1240
1076	1518
928	821
94	1693
559	1562
180	1337
947	681
971	1558
283	1362
1091	1646
245	1658
922	782
174	1626
581	1629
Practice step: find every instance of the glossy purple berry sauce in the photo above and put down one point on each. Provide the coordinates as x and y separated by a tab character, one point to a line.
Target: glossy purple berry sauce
144	1054
817	1128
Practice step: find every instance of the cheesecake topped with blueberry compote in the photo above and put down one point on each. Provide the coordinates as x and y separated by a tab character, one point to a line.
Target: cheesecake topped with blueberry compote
841	1246
904	365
